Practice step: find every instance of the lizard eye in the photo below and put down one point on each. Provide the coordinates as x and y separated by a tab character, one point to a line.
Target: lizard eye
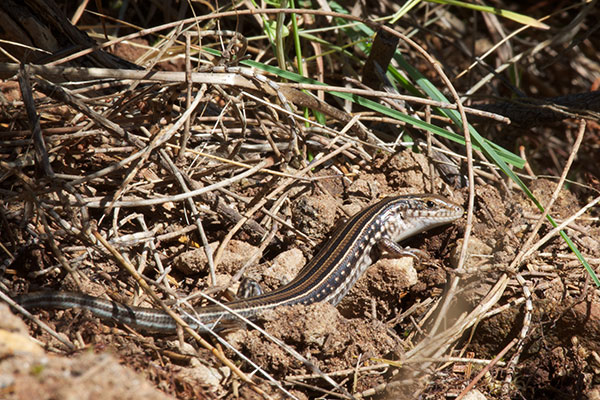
430	204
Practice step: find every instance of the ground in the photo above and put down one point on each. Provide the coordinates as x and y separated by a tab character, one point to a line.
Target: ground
267	191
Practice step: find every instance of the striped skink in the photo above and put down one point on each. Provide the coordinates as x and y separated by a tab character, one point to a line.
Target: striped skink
327	277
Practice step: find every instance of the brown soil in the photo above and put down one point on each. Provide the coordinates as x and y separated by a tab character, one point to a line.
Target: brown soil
406	330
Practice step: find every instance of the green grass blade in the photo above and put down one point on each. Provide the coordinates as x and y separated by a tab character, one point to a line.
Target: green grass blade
505	154
520	18
492	151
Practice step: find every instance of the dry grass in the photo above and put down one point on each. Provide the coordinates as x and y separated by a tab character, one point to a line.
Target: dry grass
115	167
